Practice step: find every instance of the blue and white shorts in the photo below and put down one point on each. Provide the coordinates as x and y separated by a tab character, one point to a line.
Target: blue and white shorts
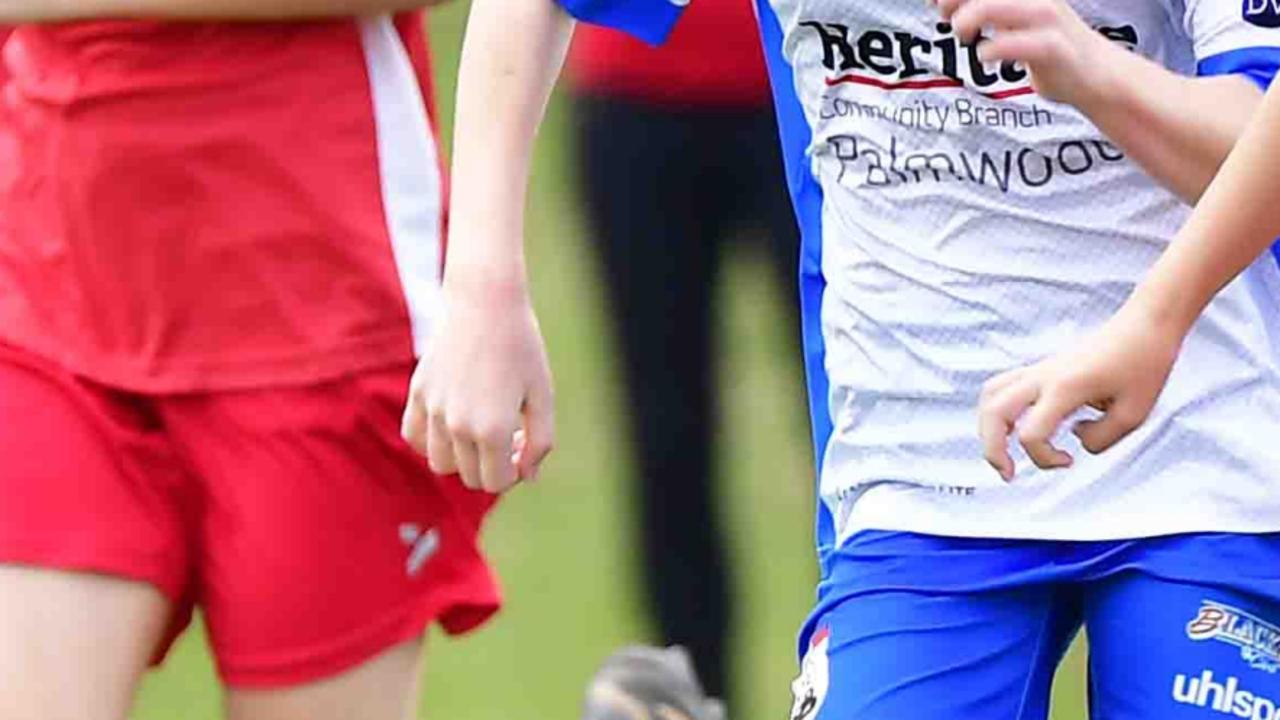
911	626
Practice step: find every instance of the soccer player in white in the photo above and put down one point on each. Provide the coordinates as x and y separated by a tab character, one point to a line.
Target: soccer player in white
979	183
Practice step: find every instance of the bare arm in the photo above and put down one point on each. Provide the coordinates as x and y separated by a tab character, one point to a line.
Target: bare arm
1236	220
1158	117
1155	115
37	11
511	58
481	402
1122	368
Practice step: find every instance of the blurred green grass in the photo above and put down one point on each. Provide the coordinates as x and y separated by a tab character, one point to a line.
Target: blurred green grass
564	547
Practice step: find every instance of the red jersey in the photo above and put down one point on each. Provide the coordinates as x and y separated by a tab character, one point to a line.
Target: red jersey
189	207
713	58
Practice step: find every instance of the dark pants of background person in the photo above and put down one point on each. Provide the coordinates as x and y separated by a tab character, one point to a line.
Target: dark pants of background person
668	192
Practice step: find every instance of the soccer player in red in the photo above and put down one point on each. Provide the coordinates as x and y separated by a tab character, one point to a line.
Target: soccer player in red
220	245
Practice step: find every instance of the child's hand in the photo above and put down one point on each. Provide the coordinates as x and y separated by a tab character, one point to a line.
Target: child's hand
1067	58
1119	370
481	402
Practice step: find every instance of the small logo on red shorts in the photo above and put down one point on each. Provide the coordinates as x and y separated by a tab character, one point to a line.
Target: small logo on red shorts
422	544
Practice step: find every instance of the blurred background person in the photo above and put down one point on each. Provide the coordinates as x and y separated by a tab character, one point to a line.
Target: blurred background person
678	163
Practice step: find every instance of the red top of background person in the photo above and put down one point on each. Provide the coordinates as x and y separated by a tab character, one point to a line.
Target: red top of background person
713	58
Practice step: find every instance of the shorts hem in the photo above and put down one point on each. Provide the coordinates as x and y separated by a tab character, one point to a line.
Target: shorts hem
458	612
83	558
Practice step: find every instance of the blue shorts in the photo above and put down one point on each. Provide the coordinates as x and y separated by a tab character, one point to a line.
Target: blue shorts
911	626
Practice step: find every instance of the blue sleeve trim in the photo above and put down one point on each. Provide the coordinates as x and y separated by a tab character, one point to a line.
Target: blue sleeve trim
807	197
1258	64
648	20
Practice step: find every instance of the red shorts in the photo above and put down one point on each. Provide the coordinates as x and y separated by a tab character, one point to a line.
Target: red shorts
309	534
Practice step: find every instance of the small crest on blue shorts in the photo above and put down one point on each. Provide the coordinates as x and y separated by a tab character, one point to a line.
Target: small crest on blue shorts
810	689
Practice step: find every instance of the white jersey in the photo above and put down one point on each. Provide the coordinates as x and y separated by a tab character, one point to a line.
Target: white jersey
958	225
970	227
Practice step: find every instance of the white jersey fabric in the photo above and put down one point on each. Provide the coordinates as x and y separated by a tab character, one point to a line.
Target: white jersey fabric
969	230
957	225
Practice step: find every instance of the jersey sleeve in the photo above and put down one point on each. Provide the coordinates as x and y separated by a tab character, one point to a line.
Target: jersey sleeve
649	20
1236	37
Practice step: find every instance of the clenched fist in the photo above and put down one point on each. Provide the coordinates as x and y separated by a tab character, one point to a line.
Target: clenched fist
481	402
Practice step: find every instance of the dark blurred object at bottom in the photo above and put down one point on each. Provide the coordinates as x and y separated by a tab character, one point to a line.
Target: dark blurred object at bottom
646	683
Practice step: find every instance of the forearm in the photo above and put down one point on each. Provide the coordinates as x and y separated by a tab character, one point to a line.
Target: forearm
34	11
1236	221
511	57
1178	128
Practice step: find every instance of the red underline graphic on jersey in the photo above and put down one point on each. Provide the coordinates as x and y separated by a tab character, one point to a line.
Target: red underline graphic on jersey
930	84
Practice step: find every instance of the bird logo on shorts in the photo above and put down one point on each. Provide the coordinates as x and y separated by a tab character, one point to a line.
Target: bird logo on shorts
1258	640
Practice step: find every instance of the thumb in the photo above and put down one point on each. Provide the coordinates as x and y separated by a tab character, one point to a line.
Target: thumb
413	424
539	430
1121	418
